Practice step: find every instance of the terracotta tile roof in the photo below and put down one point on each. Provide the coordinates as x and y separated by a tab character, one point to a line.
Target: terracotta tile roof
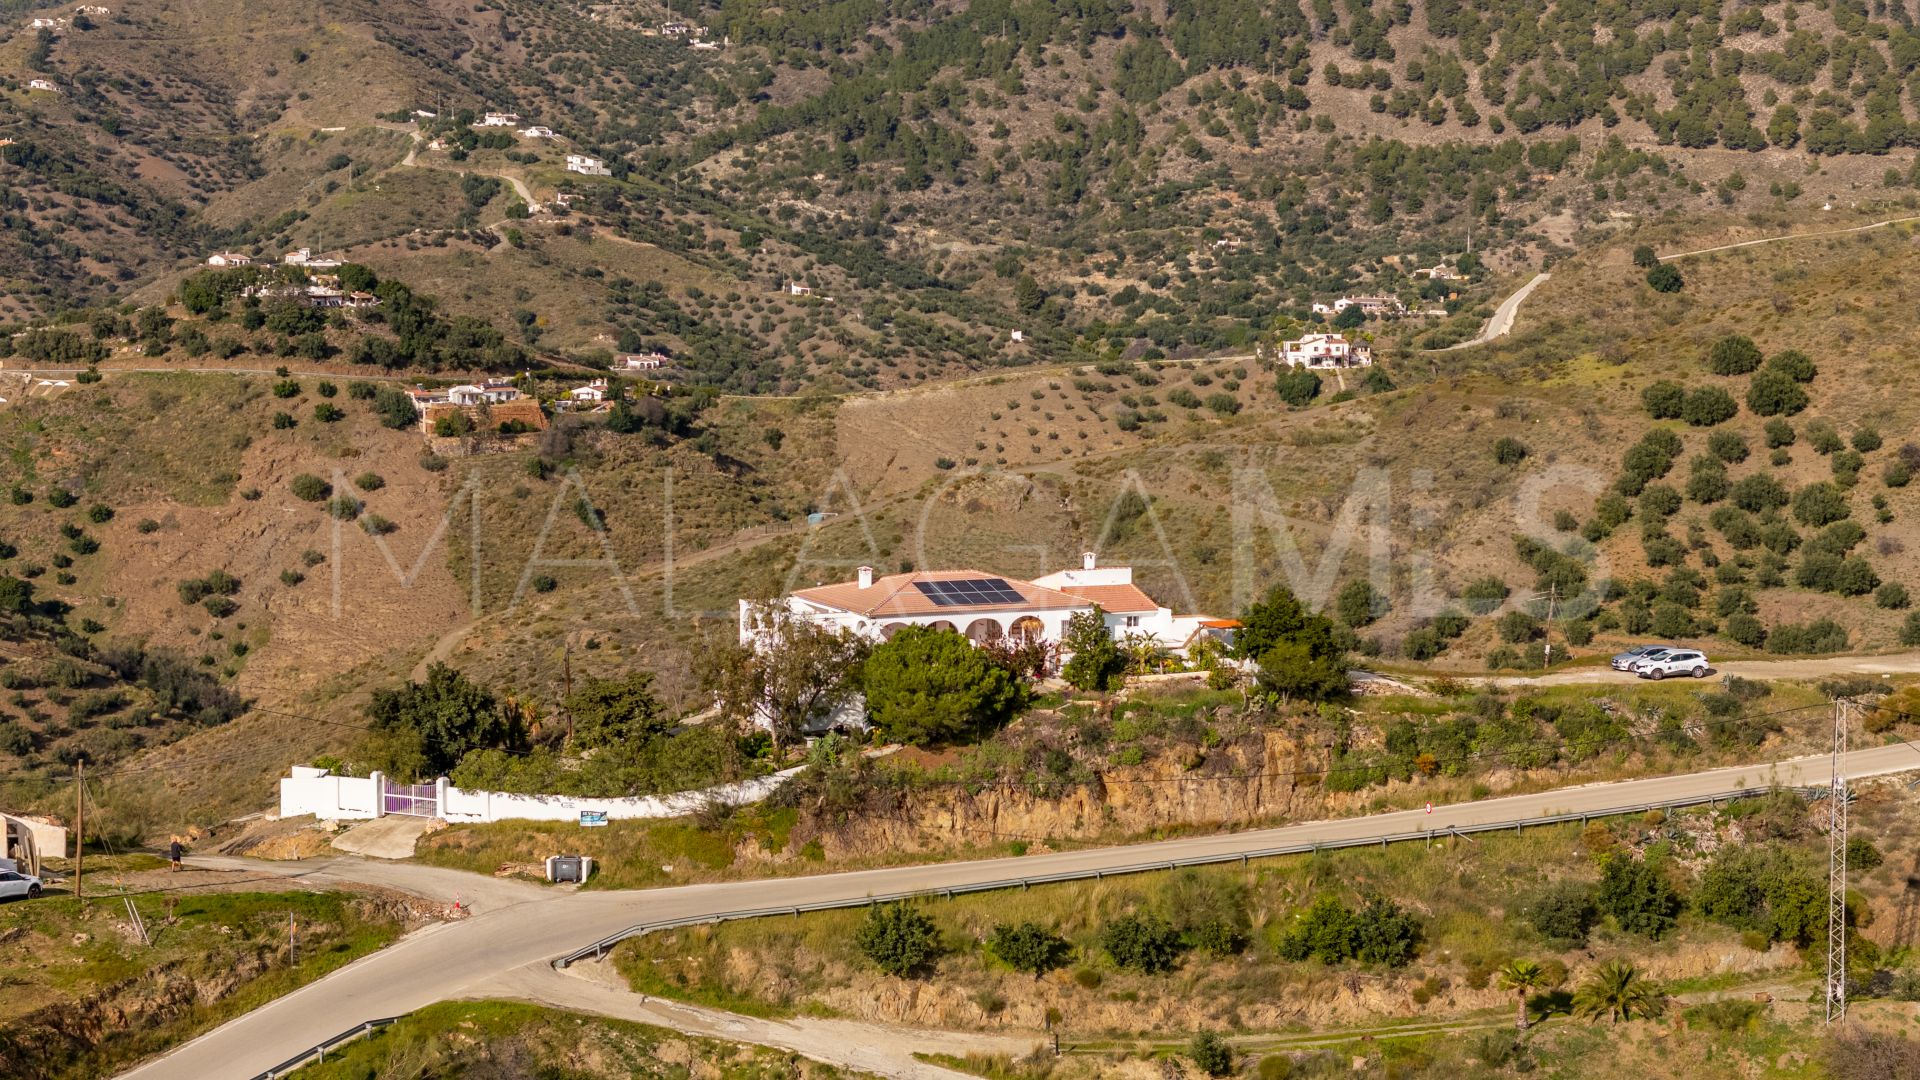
895	594
1119	599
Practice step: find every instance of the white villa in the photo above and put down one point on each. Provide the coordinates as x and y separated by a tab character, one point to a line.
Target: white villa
1372	305
47	85
305	257
538	132
587	166
229	258
499	119
491	392
986	606
1325	351
641	361
595	391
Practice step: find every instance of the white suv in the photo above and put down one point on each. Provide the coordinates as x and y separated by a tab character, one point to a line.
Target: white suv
16	884
1673	662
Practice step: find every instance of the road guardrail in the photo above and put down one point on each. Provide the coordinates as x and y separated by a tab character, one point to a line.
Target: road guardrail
599	949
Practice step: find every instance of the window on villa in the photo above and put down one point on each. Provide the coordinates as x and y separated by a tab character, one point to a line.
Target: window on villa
1133	621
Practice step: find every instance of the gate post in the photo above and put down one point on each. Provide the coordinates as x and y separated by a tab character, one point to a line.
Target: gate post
379	793
440	798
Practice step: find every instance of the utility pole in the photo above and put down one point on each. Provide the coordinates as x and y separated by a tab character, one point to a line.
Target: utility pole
293	942
1837	870
79	825
1553	599
566	686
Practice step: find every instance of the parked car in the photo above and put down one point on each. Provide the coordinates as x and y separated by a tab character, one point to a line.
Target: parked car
1626	661
14	884
1674	662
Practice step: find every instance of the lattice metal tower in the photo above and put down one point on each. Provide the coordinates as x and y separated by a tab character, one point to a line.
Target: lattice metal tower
1837	870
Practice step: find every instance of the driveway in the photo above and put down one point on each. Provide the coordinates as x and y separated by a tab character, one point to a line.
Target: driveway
1502	322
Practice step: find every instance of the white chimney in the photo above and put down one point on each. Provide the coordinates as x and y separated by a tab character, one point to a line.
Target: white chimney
1087	560
866	577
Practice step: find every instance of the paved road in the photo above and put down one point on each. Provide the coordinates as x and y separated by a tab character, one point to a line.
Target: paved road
1503	316
472	958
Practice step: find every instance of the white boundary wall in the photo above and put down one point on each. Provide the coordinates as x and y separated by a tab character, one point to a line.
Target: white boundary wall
315	791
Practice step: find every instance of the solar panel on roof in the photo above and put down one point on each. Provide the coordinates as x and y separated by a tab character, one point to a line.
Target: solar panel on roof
970	592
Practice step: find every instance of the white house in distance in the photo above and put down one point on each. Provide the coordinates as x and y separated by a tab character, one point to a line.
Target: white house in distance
45	85
538	132
1372	305
1325	351
595	391
229	258
641	361
499	119
305	257
491	392
587	166
986	606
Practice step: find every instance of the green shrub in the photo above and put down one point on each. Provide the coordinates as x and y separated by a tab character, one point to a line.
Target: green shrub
898	939
1665	278
1297	386
1774	394
310	488
327	412
369	481
1145	943
1029	947
1819	504
1867	439
1664	399
1563	913
1708	405
1793	364
1637	896
1728	446
1779	434
1733	355
1211	1054
1485	594
1509	451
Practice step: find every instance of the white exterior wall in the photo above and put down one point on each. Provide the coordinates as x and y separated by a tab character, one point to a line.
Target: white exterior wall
328	797
1053	623
335	798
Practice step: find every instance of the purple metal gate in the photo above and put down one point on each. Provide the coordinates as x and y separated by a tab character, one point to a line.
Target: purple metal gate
414	800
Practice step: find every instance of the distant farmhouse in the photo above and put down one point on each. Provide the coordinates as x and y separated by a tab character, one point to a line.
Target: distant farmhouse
496	403
229	258
641	361
499	119
587	166
1325	351
1372	305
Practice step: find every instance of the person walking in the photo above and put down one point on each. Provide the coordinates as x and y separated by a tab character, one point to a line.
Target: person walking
175	849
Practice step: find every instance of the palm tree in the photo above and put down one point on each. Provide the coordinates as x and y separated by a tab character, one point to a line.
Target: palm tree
1618	992
1522	976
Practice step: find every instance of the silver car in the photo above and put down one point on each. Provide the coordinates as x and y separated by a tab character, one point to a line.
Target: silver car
14	885
1629	660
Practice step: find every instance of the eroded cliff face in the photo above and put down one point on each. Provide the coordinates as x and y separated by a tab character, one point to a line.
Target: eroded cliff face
1256	779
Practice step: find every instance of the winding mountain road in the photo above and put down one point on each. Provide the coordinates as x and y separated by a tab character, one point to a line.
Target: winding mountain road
1501	323
502	949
